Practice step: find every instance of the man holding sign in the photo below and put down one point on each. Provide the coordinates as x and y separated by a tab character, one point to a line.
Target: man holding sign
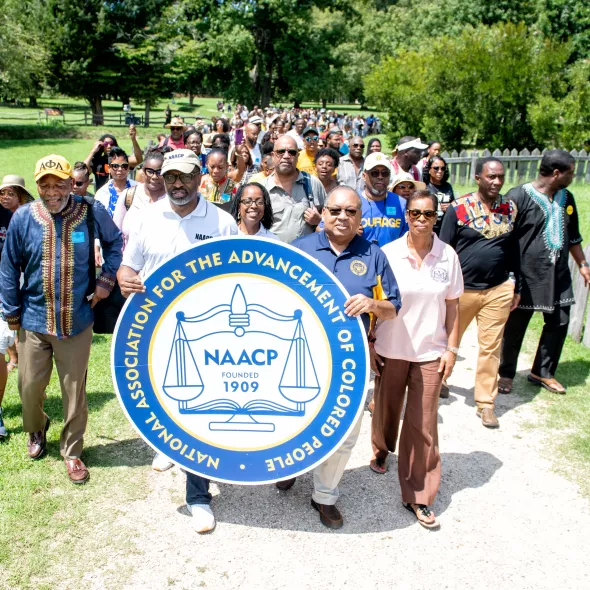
365	273
171	226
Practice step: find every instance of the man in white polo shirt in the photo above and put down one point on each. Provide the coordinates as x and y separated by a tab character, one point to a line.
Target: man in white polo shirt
166	229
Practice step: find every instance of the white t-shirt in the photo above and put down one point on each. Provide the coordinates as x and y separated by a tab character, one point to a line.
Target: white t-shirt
418	333
161	233
261	233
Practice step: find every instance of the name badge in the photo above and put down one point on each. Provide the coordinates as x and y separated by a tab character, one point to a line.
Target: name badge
390	210
225	197
78	237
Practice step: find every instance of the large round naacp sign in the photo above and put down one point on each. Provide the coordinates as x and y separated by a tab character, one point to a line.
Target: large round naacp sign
238	362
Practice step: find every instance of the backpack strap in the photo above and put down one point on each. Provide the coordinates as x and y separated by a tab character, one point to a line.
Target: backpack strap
129	196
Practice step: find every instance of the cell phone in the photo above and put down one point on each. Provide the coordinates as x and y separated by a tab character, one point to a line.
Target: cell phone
239	136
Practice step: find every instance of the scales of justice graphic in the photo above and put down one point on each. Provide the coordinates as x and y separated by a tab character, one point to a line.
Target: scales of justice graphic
239	330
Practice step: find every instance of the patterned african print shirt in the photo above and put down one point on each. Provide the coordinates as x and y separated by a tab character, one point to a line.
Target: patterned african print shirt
53	254
221	192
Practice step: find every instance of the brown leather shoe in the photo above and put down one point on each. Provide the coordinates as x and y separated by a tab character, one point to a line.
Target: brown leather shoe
77	471
329	515
286	484
488	418
37	442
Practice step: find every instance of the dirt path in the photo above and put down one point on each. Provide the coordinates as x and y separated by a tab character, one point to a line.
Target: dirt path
507	521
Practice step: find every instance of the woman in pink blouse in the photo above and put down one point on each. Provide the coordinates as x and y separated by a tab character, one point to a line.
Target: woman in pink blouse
418	350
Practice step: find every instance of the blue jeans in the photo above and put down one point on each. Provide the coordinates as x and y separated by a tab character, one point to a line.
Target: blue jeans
197	489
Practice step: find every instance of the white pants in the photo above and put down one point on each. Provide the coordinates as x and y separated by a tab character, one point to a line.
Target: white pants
327	476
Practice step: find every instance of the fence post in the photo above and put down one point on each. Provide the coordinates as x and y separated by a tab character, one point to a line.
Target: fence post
523	166
578	311
474	157
534	164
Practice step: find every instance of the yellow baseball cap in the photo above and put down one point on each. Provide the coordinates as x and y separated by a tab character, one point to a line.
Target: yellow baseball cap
53	164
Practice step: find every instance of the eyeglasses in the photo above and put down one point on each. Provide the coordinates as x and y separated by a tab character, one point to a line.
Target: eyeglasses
107	143
153	171
291	152
379	173
438	168
335	211
80	183
361	145
416	213
117	166
250	202
184	178
310	138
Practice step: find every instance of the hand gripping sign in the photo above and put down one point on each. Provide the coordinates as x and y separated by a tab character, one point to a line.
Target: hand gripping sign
238	362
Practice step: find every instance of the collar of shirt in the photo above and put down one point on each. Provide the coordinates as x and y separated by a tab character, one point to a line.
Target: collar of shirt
324	244
435	252
272	184
199	211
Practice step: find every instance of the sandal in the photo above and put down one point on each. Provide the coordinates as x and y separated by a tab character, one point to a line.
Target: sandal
423	515
552	384
505	385
10	366
378	466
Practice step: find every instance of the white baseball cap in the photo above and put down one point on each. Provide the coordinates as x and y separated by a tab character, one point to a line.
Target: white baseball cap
377	159
181	160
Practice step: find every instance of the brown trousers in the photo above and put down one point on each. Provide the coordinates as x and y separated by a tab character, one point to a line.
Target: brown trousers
490	308
36	354
418	455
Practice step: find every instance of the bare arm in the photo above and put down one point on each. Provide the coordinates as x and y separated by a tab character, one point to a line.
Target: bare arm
129	281
95	148
448	358
137	157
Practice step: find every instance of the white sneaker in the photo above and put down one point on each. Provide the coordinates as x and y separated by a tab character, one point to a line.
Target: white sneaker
203	518
161	463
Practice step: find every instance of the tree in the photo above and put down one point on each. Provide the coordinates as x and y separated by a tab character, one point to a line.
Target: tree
83	36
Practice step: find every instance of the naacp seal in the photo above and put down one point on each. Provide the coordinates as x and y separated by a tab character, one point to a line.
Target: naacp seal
238	362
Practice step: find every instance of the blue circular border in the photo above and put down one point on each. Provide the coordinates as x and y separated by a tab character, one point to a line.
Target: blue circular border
229	468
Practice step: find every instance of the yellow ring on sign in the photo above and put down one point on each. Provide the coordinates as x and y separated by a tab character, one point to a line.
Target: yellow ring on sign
570	209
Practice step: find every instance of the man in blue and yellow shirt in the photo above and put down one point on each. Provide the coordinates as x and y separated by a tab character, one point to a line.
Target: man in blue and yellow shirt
365	273
383	213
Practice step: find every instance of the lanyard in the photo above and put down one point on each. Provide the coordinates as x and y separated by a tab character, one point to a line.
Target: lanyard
114	196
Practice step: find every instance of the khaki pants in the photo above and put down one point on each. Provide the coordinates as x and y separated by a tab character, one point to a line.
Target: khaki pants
327	476
36	354
490	308
418	461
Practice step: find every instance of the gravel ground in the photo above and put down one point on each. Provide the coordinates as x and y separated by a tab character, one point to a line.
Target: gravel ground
507	520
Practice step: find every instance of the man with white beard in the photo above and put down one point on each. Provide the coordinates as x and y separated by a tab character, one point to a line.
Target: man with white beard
166	229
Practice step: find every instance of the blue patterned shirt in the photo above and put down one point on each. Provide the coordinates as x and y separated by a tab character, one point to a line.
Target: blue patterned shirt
52	252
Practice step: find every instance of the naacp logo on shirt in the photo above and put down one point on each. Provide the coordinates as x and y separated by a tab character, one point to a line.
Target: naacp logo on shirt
238	362
358	267
440	275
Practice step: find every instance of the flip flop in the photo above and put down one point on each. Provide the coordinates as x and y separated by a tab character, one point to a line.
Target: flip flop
422	510
378	466
504	388
542	383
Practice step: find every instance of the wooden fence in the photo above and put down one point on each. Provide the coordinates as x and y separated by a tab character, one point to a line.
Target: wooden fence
579	328
520	166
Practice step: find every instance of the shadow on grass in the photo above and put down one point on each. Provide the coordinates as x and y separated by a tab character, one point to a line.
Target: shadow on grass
122	453
369	502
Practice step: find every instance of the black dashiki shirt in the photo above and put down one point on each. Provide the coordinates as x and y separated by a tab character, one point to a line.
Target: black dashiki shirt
546	230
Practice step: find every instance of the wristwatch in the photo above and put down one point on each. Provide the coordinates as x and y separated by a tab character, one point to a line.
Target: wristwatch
584	264
452	349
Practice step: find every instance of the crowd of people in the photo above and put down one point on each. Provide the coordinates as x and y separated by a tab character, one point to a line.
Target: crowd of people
420	264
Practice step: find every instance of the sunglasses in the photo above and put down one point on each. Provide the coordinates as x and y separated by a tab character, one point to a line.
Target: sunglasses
152	172
80	183
310	138
379	173
282	152
417	213
176	128
107	143
438	168
117	166
250	202
335	211
361	145
184	178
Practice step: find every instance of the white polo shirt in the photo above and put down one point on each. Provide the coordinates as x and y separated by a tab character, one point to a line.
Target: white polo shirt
418	333
160	233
